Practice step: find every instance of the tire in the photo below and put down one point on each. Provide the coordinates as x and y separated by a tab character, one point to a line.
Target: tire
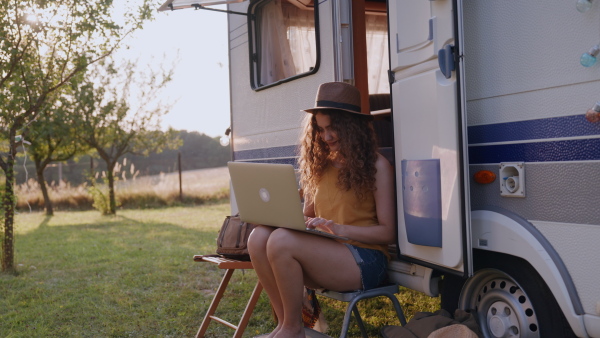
510	299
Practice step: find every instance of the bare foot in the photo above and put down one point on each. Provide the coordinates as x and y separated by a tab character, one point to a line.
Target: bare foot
290	333
274	332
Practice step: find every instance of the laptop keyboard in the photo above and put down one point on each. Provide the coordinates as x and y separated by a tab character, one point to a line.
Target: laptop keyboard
326	234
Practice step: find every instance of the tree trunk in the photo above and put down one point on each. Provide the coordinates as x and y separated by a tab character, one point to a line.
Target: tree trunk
8	204
111	189
39	168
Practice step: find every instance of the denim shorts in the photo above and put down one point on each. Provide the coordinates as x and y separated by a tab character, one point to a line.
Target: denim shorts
372	264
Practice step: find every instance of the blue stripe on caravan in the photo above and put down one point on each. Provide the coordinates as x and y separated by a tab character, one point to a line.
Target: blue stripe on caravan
570	150
284	151
556	127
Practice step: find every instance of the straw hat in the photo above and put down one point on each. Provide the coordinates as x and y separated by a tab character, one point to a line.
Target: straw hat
338	96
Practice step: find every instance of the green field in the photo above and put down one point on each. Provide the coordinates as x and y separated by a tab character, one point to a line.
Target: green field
85	275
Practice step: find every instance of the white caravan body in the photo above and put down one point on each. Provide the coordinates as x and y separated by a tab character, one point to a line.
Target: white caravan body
471	86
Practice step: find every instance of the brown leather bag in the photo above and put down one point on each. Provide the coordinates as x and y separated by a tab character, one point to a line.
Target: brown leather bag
233	238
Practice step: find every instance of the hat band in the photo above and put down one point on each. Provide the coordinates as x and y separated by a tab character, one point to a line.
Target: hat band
332	104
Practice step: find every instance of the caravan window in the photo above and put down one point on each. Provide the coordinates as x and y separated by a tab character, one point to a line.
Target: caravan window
283	41
377	53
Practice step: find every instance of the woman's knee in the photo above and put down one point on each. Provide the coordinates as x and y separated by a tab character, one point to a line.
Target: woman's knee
281	241
257	241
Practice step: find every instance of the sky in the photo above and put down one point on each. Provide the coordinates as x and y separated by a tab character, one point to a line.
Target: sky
200	86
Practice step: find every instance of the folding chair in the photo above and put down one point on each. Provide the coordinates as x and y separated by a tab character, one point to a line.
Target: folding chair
353	297
230	265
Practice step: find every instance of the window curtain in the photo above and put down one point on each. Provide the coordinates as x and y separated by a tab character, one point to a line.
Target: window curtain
288	43
301	34
377	53
276	60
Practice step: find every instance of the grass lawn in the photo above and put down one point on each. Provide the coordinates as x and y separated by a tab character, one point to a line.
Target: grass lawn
85	275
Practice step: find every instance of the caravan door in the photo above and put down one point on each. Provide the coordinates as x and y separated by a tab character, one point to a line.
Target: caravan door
429	132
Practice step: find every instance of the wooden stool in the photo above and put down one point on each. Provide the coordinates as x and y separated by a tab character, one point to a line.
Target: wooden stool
231	265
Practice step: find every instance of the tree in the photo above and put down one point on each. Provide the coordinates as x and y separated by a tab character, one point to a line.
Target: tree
53	139
43	45
114	123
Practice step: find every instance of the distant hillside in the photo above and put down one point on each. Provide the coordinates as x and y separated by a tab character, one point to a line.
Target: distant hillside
197	152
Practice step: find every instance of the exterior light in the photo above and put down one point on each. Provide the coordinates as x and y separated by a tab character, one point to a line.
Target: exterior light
593	114
589	59
583	5
484	177
224	140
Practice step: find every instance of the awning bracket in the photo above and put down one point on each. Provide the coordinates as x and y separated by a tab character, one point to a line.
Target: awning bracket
198	6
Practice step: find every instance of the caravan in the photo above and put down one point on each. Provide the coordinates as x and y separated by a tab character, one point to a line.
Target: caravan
482	107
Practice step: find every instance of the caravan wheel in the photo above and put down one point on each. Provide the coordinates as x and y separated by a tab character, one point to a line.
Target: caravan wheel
510	299
502	307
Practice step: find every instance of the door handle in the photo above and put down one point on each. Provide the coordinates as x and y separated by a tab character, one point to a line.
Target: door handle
446	60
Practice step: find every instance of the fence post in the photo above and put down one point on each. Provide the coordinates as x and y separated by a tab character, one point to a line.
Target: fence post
180	184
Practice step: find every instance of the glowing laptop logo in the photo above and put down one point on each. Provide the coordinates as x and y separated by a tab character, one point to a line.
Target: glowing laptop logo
264	195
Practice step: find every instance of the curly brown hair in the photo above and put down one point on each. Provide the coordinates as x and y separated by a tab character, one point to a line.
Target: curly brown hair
358	153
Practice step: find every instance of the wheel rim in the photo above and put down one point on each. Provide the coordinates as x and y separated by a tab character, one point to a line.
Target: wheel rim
501	306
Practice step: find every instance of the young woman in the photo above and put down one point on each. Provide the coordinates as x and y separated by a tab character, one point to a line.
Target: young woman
348	191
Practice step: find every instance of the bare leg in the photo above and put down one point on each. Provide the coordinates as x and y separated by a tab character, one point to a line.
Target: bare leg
288	273
295	257
257	246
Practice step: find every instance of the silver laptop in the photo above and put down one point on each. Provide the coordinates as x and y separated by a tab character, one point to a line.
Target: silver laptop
267	194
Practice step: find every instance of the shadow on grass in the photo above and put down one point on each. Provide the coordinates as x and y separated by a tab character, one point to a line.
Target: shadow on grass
45	221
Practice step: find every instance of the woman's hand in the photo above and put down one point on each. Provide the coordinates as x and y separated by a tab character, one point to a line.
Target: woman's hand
322	224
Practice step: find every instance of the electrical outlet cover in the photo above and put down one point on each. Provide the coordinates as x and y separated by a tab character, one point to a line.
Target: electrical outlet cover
512	179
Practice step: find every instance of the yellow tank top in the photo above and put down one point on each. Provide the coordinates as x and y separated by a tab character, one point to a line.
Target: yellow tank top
343	207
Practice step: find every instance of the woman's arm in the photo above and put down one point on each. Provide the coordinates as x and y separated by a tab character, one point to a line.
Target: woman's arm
309	207
382	233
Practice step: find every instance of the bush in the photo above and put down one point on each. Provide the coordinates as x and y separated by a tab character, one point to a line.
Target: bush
101	199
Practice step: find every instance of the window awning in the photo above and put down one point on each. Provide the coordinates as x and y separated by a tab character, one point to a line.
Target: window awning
181	4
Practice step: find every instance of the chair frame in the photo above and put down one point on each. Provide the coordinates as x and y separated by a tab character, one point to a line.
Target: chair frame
230	265
353	297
